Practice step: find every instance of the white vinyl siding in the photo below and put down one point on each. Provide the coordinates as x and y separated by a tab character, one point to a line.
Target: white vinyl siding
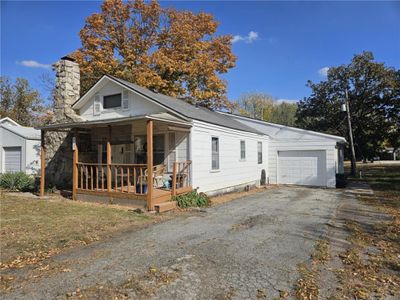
215	153
133	105
231	173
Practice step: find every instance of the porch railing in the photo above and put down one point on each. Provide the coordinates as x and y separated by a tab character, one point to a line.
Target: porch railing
181	181
119	178
128	178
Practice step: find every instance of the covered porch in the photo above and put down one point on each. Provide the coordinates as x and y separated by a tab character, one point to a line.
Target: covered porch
138	160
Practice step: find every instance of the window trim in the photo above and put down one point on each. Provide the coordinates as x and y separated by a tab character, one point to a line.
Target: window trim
260	152
244	157
213	170
111	108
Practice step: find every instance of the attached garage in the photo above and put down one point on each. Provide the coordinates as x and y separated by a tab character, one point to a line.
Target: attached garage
12	159
302	167
298	156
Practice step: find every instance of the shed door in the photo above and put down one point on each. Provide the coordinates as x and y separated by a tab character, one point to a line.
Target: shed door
12	159
302	167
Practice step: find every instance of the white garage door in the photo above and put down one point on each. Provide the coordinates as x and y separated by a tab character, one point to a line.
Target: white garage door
12	159
302	167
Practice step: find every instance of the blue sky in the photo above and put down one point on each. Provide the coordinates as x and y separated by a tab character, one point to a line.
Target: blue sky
279	45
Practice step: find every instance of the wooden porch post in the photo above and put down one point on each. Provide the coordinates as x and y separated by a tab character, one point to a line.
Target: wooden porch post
109	160
150	165
174	179
75	164
42	163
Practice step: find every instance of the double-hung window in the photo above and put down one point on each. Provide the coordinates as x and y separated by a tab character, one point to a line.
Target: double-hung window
259	152
112	101
242	150
214	153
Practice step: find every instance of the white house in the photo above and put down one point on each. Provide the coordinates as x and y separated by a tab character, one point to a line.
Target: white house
19	147
125	130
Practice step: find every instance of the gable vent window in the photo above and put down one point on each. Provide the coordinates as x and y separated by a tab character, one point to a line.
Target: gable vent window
125	100
96	105
112	101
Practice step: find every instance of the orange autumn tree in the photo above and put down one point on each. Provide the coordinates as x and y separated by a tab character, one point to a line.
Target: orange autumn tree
176	53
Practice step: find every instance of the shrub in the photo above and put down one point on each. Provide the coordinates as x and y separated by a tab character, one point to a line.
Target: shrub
17	182
192	199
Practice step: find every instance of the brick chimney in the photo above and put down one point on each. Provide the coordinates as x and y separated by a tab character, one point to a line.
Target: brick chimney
67	90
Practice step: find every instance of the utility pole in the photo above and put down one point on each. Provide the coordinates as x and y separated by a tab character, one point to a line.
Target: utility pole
353	153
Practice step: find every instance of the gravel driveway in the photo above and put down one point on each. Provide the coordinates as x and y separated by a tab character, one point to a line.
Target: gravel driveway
246	248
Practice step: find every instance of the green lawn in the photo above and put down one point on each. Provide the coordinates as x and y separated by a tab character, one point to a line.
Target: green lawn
384	179
380	176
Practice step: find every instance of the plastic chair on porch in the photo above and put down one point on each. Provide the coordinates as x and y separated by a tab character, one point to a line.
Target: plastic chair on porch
158	174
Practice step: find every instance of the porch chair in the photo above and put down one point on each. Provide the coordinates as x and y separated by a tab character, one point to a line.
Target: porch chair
158	174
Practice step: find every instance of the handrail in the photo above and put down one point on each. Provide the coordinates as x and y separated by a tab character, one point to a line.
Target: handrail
181	176
129	165
90	164
112	164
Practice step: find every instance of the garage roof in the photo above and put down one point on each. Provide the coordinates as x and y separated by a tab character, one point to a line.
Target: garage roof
29	133
281	132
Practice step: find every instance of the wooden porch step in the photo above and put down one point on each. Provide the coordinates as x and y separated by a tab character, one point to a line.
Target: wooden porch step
161	199
165	206
160	196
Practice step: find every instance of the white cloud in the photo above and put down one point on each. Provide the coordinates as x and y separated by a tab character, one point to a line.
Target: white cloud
249	38
33	64
323	71
287	100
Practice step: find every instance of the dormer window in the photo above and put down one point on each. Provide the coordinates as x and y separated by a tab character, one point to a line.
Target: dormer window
112	101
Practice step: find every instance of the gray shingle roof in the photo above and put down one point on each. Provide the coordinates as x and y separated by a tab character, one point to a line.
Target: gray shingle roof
188	110
29	133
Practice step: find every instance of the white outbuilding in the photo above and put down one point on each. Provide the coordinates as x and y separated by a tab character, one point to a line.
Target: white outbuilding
19	147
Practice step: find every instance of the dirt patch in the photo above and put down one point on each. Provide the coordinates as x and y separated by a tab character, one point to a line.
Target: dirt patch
232	196
257	220
136	287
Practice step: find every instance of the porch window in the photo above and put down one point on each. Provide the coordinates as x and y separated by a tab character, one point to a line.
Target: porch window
242	150
112	101
214	153
158	149
259	152
171	151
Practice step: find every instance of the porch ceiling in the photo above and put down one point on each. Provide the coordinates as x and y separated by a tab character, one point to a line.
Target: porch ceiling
163	117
